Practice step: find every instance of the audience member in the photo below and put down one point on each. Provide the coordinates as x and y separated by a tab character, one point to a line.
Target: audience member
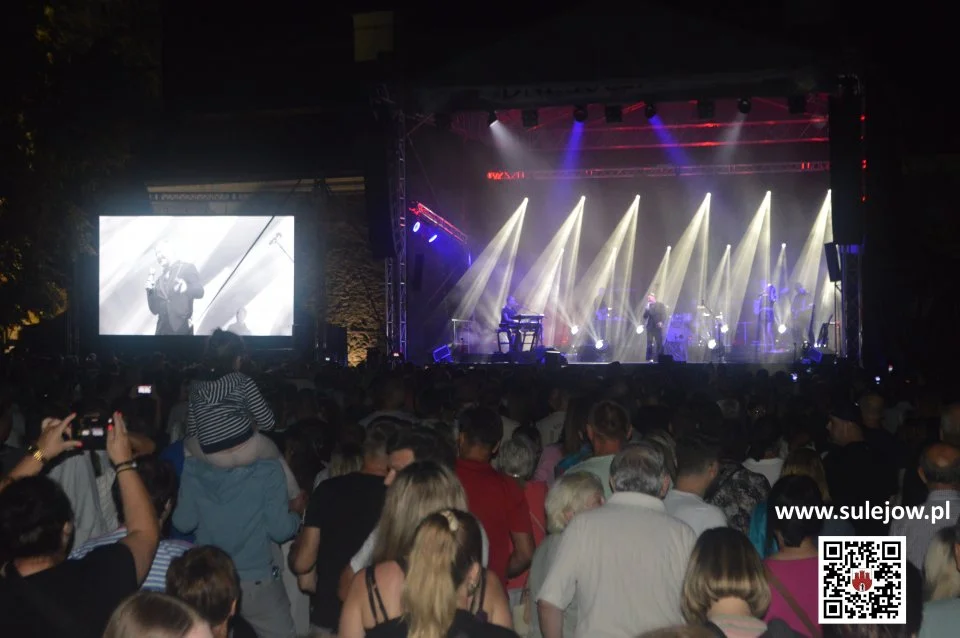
621	564
698	461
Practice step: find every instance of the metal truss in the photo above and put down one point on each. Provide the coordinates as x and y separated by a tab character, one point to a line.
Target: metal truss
428	215
395	267
663	170
691	135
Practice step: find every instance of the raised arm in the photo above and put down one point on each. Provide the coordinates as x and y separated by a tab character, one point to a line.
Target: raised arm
49	446
143	526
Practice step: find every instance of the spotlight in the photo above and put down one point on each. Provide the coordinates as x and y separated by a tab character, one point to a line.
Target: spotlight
782	328
432	239
491	118
416	226
613	113
650	110
640	329
797	104
783	245
705	109
580	113
728	246
712	344
744	105
530	117
599	344
724	329
669	247
574	330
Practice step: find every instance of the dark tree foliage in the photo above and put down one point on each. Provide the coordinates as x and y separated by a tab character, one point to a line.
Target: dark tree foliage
78	91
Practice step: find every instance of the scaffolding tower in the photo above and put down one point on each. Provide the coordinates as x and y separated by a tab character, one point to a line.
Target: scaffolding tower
395	267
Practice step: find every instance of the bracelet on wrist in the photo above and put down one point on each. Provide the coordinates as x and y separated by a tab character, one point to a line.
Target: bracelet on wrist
124	469
37	453
126	465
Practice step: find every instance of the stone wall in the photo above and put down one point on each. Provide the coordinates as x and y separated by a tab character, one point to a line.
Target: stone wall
353	283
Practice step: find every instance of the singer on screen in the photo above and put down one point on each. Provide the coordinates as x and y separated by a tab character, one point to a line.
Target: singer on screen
171	294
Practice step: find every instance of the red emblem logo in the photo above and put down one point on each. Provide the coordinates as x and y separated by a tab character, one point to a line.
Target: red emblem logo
861	581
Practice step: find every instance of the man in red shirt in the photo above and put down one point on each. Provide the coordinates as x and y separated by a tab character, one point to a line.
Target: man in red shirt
496	500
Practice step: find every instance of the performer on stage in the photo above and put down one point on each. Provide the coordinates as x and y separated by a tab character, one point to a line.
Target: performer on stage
170	296
239	326
655	315
765	309
511	310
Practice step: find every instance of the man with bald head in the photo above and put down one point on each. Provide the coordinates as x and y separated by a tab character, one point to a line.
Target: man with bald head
940	471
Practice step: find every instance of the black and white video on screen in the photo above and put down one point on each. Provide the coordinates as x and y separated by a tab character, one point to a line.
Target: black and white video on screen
180	275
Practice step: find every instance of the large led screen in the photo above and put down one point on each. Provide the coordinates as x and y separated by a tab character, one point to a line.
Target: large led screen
178	275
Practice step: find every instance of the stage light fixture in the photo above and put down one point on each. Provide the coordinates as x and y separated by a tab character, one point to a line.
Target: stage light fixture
783	245
491	118
574	330
613	113
432	239
599	344
669	247
744	105
797	104
580	113
724	329
728	246
640	329
782	328
712	344
705	109
530	117
416	226
650	110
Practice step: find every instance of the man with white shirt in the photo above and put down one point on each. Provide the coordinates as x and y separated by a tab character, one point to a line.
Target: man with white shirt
622	563
763	457
698	461
551	426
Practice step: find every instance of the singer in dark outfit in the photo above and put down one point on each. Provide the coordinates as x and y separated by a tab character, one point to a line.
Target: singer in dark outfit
170	296
655	315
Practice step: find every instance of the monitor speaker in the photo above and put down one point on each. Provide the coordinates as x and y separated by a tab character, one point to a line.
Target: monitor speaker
833	261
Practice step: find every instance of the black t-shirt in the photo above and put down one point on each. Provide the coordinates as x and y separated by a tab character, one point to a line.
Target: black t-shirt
856	474
346	509
75	598
465	625
240	628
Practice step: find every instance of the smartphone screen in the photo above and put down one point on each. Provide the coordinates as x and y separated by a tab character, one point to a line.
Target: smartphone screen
145	389
92	433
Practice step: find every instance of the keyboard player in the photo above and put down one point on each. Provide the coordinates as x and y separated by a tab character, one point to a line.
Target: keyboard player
510	311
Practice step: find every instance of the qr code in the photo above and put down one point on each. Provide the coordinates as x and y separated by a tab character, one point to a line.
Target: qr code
863	580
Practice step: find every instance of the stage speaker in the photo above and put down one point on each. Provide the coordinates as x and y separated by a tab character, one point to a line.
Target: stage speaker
833	261
416	277
846	168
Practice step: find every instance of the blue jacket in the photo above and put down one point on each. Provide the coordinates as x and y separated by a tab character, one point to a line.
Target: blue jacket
241	510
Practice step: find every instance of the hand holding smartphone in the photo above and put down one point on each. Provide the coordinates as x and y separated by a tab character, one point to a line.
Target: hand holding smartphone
92	432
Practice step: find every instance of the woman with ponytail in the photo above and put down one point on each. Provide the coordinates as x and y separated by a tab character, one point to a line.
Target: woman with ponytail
438	592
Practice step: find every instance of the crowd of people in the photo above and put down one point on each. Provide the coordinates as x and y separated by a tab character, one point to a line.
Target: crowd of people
230	497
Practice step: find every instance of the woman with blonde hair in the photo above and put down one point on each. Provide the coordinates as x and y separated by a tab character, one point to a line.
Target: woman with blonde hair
725	586
572	494
941	578
157	616
436	592
801	462
420	489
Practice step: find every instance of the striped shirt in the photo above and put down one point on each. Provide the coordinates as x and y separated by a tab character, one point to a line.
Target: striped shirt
225	412
166	552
